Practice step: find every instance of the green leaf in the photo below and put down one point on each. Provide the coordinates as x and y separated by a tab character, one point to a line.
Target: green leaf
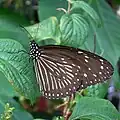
94	109
74	29
98	90
18	113
87	10
4	83
15	65
48	28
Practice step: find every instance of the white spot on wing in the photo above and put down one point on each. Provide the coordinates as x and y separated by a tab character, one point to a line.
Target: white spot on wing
86	60
74	82
75	73
89	68
101	67
69	89
91	82
82	86
101	60
85	75
94	75
62	59
74	88
100	73
80	52
67	93
86	57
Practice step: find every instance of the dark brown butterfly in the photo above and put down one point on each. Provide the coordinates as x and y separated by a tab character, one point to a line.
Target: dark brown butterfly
61	70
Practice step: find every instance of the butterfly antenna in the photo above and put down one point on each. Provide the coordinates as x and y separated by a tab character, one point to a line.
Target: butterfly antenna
37	30
26	31
94	49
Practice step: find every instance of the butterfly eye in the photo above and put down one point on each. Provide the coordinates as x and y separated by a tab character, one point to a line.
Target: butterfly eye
61	70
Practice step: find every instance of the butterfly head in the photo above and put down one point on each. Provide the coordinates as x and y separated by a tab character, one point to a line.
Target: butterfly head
34	50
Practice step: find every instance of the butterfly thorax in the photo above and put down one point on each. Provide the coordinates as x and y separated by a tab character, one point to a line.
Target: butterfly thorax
34	50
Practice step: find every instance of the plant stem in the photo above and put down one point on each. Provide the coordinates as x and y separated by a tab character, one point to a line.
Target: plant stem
69	6
61	9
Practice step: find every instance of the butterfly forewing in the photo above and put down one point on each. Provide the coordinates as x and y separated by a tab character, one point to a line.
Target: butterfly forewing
62	70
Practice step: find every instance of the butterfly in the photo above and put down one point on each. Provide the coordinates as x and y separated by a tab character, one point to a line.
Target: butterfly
62	70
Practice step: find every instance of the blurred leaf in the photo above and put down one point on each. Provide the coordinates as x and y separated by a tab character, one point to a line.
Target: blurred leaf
87	9
10	27
48	28
94	109
18	113
47	8
13	16
15	65
116	1
74	29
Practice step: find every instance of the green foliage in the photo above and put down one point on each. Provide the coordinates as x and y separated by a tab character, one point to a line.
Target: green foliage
98	90
116	1
11	110
75	36
14	63
7	113
94	109
88	10
46	29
